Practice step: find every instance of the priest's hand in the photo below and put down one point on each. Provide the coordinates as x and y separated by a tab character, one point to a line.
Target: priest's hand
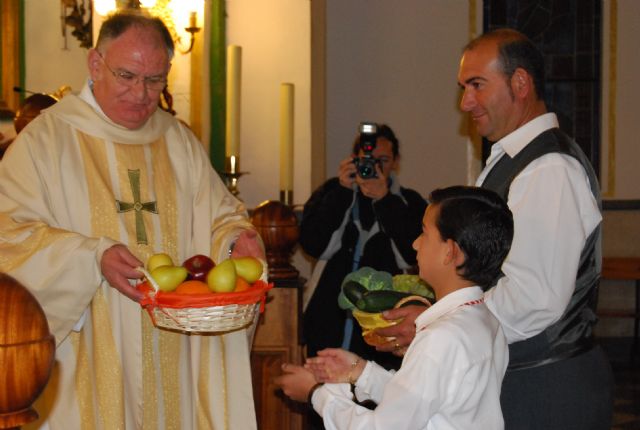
403	332
296	382
248	244
118	265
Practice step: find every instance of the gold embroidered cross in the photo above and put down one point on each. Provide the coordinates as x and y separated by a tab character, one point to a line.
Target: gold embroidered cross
138	206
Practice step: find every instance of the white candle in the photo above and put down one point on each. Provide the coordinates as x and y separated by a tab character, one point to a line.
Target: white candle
234	73
286	137
193	19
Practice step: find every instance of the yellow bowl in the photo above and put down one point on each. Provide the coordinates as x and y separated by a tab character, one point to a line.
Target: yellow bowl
371	321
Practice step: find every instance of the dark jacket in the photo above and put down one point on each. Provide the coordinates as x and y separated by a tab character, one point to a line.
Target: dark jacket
329	213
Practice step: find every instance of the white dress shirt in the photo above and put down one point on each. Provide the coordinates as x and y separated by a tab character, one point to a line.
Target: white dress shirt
450	377
554	212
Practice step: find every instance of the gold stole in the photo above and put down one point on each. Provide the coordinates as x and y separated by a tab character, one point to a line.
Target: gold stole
99	159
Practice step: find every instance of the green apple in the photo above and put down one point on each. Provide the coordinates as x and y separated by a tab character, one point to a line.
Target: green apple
169	277
157	260
222	278
249	268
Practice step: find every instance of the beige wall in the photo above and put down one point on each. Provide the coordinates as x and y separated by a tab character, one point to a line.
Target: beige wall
397	63
49	63
275	40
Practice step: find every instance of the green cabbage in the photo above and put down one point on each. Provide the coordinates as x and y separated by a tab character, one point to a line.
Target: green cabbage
369	278
413	284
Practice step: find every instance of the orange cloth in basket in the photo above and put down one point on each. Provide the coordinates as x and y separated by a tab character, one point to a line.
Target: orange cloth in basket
257	292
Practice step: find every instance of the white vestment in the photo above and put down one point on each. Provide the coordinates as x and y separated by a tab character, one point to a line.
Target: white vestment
67	188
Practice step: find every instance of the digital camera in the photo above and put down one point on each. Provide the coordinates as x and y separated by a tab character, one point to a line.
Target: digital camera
366	164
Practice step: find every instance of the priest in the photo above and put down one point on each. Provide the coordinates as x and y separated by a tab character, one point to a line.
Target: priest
88	191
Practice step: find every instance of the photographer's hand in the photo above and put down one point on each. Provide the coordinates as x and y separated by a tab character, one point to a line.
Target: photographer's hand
347	173
374	188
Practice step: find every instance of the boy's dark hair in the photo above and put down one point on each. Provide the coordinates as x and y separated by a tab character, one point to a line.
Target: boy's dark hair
480	222
515	50
119	22
385	132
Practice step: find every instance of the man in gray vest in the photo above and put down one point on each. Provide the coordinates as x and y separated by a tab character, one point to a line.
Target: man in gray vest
557	378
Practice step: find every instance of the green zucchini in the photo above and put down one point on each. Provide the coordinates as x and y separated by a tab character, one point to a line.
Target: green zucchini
380	300
353	291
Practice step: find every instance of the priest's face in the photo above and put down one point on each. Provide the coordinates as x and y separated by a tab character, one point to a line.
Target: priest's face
128	76
487	93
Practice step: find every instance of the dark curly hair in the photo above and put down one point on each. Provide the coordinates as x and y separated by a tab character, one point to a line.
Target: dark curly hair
480	222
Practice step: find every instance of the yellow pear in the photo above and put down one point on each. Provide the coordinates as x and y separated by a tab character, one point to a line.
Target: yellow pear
157	260
169	277
250	268
222	278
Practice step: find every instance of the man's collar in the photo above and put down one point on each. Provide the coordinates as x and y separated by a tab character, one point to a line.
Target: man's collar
87	95
515	141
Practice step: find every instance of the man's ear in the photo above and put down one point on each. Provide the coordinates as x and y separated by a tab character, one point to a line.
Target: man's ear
93	62
521	83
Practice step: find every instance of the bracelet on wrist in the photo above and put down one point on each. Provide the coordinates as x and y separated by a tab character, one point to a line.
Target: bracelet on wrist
313	390
350	378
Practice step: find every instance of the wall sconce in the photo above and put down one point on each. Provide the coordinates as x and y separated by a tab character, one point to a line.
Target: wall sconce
77	14
172	13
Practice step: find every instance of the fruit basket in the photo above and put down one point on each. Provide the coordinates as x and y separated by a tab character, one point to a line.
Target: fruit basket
203	313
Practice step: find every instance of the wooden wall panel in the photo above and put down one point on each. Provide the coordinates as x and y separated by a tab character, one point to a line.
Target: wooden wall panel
277	341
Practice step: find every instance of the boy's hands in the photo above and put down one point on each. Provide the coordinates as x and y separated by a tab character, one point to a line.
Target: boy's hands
335	366
403	332
296	382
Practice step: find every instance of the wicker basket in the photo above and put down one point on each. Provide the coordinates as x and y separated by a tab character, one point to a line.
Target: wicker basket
204	313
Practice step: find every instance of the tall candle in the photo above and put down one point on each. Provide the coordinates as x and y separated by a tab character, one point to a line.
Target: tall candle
234	73
286	136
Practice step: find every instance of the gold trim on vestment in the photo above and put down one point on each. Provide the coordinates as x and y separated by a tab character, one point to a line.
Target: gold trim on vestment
170	346
149	376
164	183
204	418
106	360
84	391
107	365
23	239
223	367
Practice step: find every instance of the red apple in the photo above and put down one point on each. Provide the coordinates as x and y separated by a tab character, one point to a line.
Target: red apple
198	267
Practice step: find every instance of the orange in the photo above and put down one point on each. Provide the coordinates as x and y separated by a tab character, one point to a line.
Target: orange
241	285
193	287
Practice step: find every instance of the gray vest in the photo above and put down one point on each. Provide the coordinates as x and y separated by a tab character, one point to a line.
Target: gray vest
572	333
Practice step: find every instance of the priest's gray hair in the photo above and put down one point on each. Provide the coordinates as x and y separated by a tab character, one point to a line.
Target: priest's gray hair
119	22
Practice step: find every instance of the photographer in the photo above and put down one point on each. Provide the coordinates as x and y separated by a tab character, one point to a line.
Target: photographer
360	218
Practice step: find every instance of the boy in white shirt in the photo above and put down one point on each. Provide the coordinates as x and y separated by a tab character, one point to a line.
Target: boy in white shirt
452	372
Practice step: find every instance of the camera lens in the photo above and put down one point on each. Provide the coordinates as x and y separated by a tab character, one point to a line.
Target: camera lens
367	168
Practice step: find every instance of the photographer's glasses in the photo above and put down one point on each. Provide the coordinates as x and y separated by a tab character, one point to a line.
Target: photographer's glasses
128	79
